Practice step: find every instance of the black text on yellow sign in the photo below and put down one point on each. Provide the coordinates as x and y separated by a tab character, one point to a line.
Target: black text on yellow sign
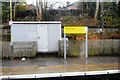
75	30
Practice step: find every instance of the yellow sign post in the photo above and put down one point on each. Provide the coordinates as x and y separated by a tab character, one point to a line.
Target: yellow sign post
75	30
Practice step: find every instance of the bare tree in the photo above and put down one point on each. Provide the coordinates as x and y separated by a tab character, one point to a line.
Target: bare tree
97	9
14	11
39	9
14	7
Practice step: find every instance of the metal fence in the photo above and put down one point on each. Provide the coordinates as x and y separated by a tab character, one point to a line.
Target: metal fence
0	34
5	34
105	47
19	49
73	48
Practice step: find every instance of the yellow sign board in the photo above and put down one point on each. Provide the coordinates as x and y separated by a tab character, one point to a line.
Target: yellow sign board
75	29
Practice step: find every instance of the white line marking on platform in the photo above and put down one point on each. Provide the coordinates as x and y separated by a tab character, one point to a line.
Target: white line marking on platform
60	74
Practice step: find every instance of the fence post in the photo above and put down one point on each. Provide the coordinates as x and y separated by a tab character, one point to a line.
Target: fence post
86	43
11	52
64	46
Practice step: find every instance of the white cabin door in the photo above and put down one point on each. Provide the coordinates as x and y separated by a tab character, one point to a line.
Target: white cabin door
42	37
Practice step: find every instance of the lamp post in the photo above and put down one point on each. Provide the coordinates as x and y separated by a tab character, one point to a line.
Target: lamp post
101	17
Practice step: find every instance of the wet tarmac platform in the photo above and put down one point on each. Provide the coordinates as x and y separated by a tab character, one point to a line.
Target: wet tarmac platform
56	66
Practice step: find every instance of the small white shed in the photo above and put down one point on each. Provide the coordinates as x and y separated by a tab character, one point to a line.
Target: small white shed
46	34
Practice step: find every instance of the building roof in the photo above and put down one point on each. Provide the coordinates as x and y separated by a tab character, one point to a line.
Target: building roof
73	5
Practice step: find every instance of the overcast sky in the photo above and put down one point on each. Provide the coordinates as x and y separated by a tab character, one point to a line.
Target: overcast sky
63	1
33	1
